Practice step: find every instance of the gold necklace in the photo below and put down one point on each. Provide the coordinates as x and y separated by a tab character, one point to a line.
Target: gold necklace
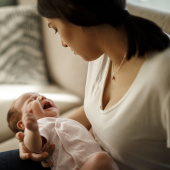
114	73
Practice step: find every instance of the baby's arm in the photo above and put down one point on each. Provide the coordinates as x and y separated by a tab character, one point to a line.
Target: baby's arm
32	140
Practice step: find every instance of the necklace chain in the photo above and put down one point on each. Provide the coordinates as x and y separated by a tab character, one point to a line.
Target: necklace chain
114	73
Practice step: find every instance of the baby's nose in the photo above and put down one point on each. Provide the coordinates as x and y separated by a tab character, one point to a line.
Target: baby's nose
41	97
64	44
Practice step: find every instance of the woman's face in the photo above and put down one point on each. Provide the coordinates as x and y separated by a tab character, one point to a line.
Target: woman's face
83	41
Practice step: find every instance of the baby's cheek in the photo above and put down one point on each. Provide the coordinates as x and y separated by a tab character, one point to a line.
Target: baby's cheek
36	107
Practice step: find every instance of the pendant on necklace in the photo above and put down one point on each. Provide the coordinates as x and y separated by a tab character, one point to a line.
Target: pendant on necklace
113	77
114	73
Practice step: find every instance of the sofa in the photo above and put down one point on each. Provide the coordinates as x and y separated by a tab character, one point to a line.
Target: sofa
60	76
48	68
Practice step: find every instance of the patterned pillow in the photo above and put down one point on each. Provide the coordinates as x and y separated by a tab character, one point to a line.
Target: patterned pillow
21	54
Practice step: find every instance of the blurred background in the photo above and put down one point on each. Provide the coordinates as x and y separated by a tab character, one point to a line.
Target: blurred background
163	5
14	2
157	4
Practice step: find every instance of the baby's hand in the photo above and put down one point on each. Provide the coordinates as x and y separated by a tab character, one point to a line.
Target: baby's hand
40	157
30	121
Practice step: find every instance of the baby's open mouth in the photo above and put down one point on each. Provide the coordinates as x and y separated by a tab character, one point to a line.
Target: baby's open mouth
47	105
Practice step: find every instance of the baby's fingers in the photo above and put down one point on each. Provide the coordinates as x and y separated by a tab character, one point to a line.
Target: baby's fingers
30	121
46	164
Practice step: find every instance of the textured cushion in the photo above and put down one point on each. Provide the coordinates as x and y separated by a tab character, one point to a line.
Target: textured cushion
8	2
21	52
64	100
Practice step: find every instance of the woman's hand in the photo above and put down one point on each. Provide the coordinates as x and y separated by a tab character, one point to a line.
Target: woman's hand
40	157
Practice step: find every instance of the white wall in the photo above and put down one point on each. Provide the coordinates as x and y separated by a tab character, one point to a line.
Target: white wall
163	5
27	1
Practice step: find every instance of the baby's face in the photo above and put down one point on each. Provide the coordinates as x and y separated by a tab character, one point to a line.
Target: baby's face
39	105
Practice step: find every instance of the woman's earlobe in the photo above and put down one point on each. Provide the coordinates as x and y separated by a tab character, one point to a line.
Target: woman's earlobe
20	125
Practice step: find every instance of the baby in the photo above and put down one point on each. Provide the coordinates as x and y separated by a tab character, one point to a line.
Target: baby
75	148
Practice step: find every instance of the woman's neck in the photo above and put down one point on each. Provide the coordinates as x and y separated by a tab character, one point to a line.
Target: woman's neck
115	43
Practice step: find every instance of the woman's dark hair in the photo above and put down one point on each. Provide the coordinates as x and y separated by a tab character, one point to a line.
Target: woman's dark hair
143	35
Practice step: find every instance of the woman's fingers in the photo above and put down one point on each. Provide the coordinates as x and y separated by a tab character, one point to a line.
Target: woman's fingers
22	152
38	157
20	136
43	156
49	150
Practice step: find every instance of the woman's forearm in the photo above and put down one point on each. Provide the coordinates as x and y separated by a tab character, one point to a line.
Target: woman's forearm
80	116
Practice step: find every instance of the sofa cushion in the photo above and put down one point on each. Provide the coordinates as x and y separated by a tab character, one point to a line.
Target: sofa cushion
21	54
9	144
65	100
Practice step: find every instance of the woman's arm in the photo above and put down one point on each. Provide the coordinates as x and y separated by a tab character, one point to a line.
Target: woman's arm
80	116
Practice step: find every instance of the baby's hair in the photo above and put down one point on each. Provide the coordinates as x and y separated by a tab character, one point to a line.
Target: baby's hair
13	117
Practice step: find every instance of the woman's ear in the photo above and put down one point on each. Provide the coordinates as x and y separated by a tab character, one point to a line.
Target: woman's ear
20	125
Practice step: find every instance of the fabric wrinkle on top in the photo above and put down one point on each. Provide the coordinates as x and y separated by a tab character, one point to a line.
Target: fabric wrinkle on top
135	130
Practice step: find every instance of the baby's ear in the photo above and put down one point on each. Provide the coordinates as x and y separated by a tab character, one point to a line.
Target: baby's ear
20	125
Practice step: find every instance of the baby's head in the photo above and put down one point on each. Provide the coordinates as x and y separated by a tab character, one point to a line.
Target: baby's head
39	105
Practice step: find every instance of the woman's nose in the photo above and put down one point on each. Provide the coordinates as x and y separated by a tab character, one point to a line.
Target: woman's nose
64	44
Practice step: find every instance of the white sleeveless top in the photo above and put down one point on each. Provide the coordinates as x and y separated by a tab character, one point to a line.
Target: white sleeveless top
136	130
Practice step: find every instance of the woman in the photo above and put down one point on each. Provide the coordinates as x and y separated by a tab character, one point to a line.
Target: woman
127	90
